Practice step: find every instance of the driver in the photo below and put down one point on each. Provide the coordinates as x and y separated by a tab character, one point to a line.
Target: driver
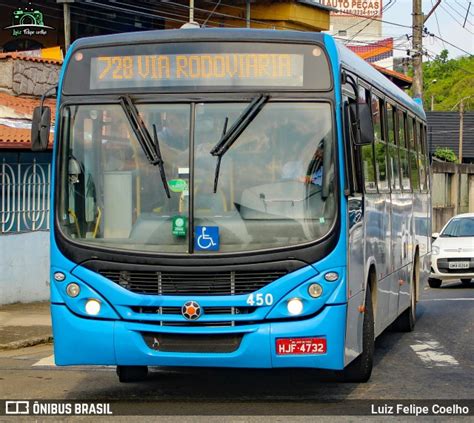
301	170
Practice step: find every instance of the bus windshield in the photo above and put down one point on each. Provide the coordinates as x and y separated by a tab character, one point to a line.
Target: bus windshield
276	181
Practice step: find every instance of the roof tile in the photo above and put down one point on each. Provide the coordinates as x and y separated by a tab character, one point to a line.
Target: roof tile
19	56
18	107
23	105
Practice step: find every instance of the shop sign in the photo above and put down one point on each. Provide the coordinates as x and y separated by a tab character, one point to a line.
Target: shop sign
363	8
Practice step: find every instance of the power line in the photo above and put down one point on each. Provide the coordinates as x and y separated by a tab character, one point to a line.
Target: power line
452	45
121	21
314	20
213	10
459	23
462	6
461	15
437	23
389	4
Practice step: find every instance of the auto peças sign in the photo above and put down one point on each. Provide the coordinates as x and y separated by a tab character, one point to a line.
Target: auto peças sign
28	22
364	8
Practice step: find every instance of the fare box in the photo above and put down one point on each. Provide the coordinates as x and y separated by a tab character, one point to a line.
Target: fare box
295	346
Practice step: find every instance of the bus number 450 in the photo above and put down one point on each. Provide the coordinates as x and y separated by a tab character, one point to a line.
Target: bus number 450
260	299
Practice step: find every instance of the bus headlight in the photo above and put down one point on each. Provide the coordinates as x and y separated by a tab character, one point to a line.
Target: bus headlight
73	290
315	290
93	307
435	250
295	306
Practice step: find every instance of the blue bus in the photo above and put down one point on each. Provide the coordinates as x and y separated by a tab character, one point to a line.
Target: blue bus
232	198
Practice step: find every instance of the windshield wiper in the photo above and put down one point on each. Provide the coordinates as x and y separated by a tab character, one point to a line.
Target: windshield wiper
229	137
151	147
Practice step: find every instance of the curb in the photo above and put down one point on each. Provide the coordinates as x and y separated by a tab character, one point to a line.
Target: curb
15	345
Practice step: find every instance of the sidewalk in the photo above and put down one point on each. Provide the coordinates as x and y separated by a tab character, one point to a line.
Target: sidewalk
23	325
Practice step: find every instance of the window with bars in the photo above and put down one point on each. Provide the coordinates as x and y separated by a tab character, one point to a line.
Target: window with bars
24	191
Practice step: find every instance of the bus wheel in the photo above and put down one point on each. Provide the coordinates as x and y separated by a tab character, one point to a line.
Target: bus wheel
361	368
434	283
406	321
128	374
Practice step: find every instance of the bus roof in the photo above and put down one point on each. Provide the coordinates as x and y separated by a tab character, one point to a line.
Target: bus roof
352	62
200	34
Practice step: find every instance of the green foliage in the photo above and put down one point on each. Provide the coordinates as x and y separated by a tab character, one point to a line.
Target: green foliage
454	81
446	154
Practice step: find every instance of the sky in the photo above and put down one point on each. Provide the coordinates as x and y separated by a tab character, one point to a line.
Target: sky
450	16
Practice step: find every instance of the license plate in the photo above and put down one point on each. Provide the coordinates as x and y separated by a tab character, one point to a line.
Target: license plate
292	346
459	265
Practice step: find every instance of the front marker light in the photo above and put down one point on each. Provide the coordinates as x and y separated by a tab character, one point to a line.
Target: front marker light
73	290
59	276
331	276
295	306
93	307
435	250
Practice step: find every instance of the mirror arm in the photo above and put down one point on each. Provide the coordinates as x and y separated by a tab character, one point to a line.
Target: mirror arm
46	94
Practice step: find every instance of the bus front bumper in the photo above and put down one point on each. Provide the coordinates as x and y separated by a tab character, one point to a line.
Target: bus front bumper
82	341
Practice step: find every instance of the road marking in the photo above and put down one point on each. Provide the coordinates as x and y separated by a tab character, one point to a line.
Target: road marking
46	361
432	353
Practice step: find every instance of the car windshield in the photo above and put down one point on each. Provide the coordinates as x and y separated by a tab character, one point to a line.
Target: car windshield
276	181
460	227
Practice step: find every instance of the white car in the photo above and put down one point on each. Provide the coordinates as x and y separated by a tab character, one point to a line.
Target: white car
452	253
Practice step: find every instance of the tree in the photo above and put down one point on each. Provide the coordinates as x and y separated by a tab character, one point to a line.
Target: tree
454	80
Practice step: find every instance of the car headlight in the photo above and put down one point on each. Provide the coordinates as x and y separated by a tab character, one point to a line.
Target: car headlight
435	250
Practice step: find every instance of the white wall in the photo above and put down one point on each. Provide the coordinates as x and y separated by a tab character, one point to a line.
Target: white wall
24	267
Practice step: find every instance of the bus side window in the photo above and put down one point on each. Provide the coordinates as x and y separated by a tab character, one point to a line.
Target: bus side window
394	163
367	155
380	147
427	158
402	143
421	155
413	139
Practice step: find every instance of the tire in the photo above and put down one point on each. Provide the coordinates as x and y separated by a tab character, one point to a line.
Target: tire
406	321
434	283
466	282
127	374
360	369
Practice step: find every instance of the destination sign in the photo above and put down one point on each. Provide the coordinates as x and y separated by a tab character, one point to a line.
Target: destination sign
202	69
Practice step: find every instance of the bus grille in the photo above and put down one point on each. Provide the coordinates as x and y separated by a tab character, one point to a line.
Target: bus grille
177	310
192	343
181	283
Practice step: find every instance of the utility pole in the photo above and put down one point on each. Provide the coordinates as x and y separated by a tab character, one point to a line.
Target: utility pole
405	63
417	46
191	11
247	14
67	22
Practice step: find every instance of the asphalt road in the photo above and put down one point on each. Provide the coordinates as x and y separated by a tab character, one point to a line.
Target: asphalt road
436	361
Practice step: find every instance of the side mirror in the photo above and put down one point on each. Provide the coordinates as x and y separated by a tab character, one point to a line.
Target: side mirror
361	119
435	235
40	127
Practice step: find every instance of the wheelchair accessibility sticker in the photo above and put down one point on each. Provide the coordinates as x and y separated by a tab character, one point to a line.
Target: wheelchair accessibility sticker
206	238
